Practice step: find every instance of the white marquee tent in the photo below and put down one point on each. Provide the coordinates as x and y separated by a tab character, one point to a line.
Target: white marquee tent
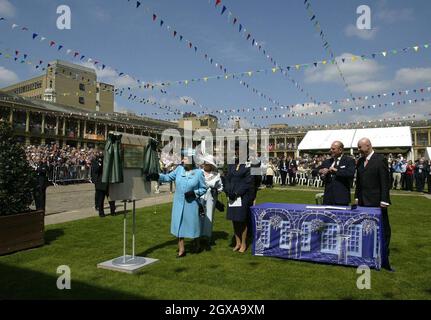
396	137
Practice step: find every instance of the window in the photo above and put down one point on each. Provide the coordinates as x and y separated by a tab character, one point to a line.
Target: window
354	247
329	243
285	236
81	100
81	87
376	242
265	233
204	123
306	237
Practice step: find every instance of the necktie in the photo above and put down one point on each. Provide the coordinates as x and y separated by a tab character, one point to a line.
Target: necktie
366	162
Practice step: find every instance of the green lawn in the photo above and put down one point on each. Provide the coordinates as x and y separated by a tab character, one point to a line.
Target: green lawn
216	274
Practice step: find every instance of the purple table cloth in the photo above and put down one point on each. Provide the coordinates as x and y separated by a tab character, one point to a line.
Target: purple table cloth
342	237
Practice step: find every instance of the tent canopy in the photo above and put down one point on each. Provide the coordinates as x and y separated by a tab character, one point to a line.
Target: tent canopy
322	139
380	138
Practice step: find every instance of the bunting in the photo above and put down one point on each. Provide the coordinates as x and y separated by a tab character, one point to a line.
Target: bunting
266	54
326	44
209	59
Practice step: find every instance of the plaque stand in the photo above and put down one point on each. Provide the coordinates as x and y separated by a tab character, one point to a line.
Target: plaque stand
127	263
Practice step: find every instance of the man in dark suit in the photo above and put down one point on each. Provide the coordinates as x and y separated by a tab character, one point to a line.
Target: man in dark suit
372	188
101	189
42	184
284	168
337	173
293	167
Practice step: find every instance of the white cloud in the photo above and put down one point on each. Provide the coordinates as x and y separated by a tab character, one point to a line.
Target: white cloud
7	9
410	76
361	75
370	86
7	77
110	76
353	31
309	107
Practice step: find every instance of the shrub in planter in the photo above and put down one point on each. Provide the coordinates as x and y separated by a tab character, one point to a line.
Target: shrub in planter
17	178
20	228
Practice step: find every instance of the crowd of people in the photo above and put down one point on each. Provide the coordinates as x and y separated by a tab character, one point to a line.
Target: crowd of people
64	163
404	174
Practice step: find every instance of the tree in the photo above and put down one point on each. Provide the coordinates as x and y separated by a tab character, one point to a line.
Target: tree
17	178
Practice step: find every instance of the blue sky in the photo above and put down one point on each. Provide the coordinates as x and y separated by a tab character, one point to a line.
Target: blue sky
126	38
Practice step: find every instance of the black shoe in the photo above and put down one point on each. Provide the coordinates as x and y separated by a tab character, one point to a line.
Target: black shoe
181	255
389	268
102	215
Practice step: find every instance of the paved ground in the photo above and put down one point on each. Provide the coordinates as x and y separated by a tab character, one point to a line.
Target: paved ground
73	202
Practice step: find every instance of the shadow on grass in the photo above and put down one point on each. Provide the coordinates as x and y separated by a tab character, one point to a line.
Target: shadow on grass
217	235
19	283
52	235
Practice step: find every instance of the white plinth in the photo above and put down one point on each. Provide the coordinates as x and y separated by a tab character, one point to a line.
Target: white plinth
126	264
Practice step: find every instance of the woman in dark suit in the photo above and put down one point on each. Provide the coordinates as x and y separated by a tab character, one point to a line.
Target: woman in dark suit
239	190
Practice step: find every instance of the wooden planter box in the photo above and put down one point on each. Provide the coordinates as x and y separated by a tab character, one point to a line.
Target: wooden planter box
21	231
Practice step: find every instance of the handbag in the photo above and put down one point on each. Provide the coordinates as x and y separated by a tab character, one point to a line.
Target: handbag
219	206
201	207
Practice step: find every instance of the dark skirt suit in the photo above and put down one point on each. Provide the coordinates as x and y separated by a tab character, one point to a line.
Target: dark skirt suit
241	183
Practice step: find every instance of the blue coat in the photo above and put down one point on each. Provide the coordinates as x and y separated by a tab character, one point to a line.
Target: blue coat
185	221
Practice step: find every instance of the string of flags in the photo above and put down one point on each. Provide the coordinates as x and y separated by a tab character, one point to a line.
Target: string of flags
247	35
151	86
339	110
297	67
80	57
359	99
364	124
233	113
23	58
325	41
157	19
77	55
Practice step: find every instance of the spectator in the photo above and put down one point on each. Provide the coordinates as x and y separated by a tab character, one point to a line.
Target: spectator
421	171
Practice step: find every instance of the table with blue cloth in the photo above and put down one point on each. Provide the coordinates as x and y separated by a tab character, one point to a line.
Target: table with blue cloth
319	234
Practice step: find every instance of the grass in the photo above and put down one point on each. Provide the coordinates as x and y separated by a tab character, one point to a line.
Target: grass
216	274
